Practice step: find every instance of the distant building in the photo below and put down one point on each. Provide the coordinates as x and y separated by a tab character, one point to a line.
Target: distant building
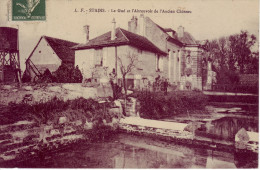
175	56
49	53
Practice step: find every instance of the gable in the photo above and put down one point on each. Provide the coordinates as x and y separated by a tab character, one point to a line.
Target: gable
43	54
62	48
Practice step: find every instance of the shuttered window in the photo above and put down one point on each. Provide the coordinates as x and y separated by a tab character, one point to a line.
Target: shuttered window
159	63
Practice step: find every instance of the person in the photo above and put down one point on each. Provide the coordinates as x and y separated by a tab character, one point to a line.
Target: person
165	86
112	80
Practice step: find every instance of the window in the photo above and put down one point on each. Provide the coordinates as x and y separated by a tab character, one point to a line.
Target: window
159	63
98	57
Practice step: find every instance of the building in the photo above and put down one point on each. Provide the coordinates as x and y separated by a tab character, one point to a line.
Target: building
49	53
175	56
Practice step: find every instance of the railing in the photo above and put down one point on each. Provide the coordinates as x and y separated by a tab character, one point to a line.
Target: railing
34	68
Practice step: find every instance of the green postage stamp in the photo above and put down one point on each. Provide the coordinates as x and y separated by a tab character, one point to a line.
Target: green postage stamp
27	10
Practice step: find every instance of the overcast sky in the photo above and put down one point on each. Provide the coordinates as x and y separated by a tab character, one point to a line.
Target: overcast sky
208	19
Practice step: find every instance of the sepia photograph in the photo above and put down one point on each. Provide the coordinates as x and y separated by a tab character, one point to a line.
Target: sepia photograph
129	84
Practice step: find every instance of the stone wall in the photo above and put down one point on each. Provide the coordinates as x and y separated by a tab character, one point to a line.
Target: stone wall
44	92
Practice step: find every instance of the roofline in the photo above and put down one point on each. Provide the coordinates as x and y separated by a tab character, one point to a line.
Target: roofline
115	45
59	39
34	49
169	38
52	48
38	45
123	34
98	46
195	45
192	45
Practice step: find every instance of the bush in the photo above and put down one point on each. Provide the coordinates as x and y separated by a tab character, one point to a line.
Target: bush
42	112
67	73
157	105
26	77
46	77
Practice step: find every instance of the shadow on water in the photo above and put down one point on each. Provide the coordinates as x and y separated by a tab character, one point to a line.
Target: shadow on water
129	151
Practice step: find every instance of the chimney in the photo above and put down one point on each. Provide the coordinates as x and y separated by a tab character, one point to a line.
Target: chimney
86	30
113	31
180	31
132	25
141	25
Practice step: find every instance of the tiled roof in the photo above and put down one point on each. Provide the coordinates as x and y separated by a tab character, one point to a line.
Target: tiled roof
188	39
174	38
123	37
62	48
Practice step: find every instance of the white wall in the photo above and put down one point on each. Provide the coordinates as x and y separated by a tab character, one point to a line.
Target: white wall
44	54
84	59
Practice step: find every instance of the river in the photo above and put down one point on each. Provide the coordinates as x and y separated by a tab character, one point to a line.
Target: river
130	151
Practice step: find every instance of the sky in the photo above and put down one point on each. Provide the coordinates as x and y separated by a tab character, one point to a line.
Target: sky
209	19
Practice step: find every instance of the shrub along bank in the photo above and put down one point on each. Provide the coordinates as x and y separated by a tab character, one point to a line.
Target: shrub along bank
156	105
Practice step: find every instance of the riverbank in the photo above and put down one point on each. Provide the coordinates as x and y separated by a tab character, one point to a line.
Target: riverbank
123	150
191	134
32	127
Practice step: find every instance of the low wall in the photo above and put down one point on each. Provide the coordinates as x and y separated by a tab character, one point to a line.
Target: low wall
44	92
26	139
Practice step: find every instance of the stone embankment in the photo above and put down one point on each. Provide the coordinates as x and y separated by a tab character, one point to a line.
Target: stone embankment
27	138
188	134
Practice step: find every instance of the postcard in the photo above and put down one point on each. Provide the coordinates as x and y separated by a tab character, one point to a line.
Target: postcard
129	84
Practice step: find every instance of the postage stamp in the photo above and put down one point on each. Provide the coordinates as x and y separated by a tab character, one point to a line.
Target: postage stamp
26	10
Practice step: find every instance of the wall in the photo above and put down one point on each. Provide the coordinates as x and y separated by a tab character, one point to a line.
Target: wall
174	58
85	61
44	57
145	67
146	27
155	34
196	66
26	139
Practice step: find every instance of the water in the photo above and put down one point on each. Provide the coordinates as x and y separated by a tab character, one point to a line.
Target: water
129	151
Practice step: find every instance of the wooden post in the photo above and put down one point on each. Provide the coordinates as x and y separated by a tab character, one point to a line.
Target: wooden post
116	64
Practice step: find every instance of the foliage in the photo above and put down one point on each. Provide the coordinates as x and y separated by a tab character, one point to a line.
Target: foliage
46	77
42	112
127	65
232	55
26	77
157	105
67	73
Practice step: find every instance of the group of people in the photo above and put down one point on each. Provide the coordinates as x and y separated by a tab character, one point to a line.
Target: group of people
161	84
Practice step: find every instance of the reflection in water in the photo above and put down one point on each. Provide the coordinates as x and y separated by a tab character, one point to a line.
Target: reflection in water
127	151
227	127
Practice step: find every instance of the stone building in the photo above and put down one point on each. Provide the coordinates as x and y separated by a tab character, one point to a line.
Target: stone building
174	55
49	53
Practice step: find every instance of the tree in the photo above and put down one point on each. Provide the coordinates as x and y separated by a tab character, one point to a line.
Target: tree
240	45
126	66
232	55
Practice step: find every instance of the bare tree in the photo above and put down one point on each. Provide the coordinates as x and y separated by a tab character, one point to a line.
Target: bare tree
126	66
